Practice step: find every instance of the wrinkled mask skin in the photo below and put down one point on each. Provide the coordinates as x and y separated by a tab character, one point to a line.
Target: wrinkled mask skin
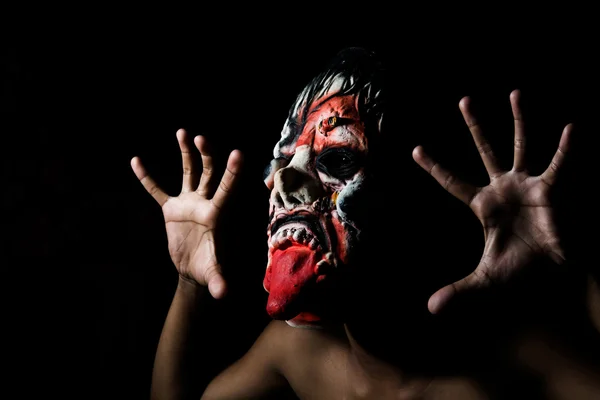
318	181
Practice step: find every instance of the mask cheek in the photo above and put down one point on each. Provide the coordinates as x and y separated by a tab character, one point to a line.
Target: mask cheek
267	279
351	202
329	183
342	238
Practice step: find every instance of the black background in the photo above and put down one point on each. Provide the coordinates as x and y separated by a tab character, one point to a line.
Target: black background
86	272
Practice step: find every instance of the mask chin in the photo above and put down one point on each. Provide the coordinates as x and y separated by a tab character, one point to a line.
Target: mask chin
306	320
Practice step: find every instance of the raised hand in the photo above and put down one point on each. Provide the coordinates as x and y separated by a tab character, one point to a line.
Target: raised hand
192	216
514	209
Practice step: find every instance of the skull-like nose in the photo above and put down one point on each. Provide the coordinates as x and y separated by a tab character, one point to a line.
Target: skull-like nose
296	187
290	179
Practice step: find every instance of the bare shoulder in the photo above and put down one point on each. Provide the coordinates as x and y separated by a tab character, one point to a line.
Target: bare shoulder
282	358
259	373
313	361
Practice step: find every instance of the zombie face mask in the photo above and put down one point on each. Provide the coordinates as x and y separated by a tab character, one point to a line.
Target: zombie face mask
318	180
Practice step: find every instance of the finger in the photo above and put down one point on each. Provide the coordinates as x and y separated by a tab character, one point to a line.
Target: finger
228	180
440	299
147	181
459	189
189	173
519	140
550	174
204	187
556	252
484	148
216	283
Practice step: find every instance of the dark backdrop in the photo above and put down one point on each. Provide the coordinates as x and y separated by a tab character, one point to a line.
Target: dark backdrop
86	272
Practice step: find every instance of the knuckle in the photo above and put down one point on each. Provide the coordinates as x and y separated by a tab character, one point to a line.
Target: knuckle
449	181
519	143
211	271
215	205
224	187
432	168
484	148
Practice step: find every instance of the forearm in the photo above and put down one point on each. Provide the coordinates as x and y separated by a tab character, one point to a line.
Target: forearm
169	373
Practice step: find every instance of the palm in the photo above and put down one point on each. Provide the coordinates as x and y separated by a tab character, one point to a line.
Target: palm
190	221
517	217
514	209
191	218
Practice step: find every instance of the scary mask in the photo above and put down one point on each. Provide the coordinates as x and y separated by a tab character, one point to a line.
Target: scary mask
319	181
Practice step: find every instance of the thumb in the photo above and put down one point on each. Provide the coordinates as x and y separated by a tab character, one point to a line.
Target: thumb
215	281
478	279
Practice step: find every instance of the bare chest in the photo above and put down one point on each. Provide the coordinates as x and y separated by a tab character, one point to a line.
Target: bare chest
331	375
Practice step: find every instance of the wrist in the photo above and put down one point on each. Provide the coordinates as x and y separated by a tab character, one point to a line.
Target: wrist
190	287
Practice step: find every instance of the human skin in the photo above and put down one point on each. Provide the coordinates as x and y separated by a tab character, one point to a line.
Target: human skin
331	363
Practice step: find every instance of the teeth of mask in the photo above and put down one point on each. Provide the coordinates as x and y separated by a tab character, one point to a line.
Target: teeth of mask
297	234
326	264
321	267
331	260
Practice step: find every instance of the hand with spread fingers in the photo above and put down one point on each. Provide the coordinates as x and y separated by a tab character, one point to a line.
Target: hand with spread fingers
192	216
515	208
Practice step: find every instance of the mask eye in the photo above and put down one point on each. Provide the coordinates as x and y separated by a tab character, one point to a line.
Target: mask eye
338	162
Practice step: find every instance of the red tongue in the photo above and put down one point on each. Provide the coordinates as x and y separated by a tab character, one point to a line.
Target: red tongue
291	270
